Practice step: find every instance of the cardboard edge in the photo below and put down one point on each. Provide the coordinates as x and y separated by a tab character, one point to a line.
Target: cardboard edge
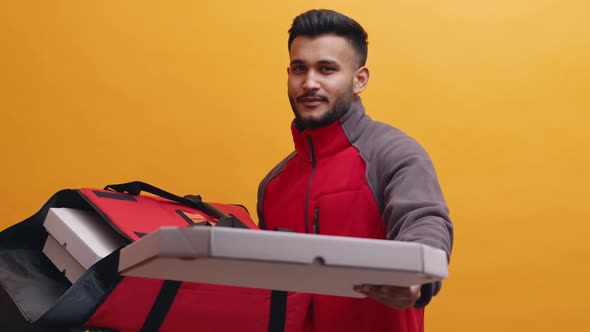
62	259
170	242
435	262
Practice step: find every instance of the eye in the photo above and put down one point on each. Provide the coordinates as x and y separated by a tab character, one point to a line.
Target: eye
327	69
298	69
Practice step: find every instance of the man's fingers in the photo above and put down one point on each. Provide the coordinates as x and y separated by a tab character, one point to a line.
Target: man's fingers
412	292
392	296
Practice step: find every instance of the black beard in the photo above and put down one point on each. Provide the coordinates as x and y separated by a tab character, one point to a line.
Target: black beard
341	106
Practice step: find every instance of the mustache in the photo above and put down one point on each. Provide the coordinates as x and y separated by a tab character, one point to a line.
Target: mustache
313	95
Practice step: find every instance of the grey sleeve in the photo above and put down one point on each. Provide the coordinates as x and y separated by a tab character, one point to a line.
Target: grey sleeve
414	208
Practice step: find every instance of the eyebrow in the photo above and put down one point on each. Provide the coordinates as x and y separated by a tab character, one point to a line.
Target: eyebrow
321	62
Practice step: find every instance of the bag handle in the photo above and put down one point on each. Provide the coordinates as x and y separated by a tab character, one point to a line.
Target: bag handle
135	188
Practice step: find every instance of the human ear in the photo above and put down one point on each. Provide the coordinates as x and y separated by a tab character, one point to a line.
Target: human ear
361	79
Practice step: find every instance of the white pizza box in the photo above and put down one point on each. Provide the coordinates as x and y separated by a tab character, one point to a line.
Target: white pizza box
83	234
62	259
308	263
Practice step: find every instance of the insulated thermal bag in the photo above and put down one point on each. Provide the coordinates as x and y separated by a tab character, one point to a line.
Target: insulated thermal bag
101	299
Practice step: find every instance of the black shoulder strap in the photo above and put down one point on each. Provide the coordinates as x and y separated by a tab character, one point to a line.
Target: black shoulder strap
161	306
278	304
278	311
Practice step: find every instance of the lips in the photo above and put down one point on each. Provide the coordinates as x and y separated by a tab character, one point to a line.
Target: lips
311	101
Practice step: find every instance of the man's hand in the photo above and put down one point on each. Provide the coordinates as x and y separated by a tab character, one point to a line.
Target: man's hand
392	296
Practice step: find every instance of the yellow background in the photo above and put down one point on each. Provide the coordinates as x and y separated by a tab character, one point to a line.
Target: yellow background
191	96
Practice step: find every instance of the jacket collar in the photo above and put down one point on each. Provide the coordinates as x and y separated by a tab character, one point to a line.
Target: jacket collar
334	137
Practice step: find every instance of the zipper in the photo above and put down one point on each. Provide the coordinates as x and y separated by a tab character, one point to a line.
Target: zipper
316	221
312	160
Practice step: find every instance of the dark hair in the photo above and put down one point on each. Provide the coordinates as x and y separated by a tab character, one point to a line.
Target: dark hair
318	22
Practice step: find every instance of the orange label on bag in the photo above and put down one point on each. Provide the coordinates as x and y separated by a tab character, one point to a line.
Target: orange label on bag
196	218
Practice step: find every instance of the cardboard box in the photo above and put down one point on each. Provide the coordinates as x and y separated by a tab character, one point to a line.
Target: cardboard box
83	234
308	263
62	259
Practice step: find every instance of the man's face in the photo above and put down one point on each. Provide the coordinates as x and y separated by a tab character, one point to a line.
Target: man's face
321	79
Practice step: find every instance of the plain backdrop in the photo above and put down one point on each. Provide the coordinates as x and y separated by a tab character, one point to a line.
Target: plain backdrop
191	96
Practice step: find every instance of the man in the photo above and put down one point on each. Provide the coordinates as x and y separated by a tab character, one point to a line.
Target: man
350	175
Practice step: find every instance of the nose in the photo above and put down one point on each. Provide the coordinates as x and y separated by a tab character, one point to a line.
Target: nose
310	82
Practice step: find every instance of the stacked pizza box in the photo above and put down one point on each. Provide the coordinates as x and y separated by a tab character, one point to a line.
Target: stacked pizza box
78	239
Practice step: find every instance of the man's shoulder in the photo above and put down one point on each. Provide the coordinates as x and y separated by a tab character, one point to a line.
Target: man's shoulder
380	140
386	130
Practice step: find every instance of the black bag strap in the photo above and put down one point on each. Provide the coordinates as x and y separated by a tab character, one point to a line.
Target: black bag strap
194	201
278	303
231	221
161	306
136	187
278	311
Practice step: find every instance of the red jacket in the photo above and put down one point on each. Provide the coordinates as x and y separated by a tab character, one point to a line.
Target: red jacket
358	177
